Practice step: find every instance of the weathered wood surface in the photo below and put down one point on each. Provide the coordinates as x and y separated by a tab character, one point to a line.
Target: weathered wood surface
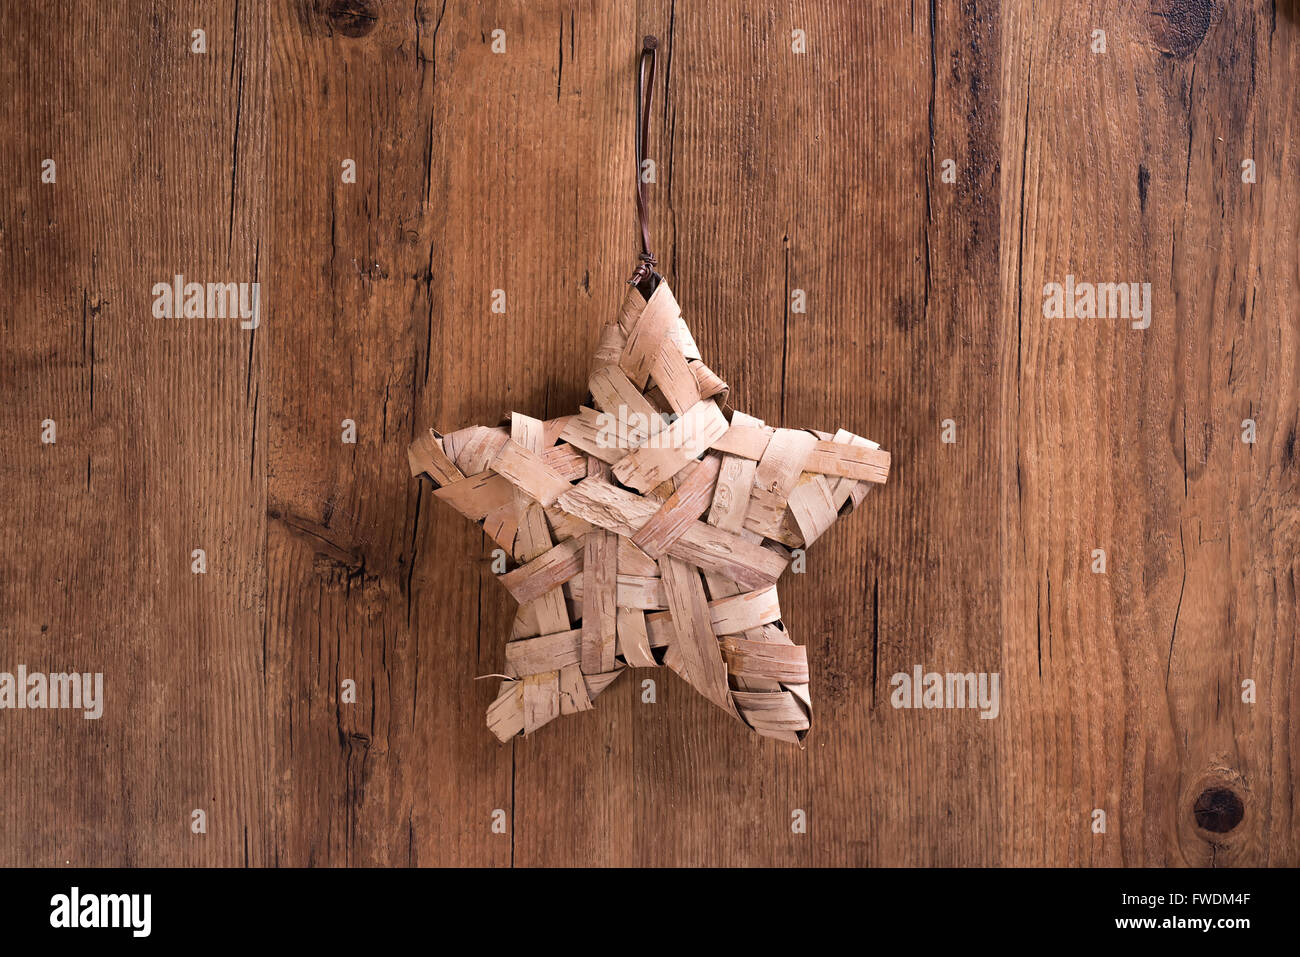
820	171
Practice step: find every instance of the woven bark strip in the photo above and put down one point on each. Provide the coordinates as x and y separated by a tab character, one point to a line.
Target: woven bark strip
600	605
812	506
866	464
566	461
612	391
477	496
676	446
761	659
541	700
532	656
647	530
681	510
744	440
642	592
738	613
588	433
693	637
846	489
573	691
634	639
527	472
426	454
474	448
543	573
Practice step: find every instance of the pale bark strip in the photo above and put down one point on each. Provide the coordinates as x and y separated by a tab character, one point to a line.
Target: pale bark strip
694	640
599	604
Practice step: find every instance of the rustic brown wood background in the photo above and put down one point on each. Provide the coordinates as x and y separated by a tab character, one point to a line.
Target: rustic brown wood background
777	171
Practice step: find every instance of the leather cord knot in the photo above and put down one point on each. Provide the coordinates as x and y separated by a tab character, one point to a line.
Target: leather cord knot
644	269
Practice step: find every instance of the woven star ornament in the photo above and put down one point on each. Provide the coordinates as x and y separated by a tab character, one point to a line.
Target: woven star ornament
649	528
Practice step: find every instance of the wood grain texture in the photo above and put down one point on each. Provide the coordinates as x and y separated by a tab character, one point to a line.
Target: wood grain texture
777	171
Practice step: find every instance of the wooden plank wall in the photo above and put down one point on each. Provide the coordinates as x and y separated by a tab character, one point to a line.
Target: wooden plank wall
777	171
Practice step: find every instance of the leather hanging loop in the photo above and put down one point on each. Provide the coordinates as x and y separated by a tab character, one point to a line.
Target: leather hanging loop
644	95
